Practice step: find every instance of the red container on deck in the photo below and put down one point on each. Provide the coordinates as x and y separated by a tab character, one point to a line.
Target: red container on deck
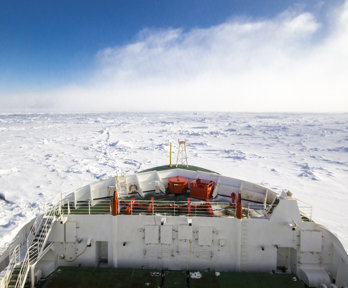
177	184
201	189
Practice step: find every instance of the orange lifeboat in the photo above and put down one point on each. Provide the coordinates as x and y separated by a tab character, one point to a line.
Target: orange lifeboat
177	184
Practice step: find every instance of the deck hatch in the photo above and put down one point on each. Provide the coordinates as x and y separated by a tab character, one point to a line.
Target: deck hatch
205	235
166	234
185	232
151	234
311	241
70	229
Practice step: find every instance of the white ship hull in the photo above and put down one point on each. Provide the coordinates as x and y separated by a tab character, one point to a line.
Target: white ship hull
272	236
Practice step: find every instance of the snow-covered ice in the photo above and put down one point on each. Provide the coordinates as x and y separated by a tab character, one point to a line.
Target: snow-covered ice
42	155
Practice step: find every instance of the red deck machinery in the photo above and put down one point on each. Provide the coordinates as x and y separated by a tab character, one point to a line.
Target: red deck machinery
177	184
201	189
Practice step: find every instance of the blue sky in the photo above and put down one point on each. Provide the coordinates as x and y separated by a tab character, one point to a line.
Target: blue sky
50	50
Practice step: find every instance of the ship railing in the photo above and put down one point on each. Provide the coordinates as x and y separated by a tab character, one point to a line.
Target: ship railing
19	239
188	208
16	251
305	210
256	210
174	208
34	229
36	248
85	207
25	239
13	260
153	207
23	272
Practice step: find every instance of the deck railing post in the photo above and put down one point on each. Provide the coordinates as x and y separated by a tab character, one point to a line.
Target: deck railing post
265	200
89	207
61	200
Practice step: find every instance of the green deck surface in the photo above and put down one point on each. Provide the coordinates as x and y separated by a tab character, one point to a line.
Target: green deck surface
246	280
175	279
189	167
79	277
116	277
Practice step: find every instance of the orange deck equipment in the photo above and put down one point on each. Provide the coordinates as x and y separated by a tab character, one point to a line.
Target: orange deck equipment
201	189
177	184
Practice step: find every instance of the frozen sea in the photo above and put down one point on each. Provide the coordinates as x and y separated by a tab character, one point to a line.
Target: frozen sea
42	155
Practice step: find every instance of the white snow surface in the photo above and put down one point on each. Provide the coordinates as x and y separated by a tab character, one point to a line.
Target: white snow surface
42	155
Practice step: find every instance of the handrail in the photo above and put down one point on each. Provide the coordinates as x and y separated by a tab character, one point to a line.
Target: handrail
14	259
35	250
34	229
85	208
23	272
12	249
9	246
152	207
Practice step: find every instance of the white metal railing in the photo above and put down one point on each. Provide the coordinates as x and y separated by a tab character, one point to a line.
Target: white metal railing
34	229
14	251
189	208
85	207
35	250
13	260
148	207
19	239
39	226
23	272
8	248
152	207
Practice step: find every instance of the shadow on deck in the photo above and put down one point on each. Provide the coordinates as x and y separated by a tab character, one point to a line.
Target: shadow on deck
117	277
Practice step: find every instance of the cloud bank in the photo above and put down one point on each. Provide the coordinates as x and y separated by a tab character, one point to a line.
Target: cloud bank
293	62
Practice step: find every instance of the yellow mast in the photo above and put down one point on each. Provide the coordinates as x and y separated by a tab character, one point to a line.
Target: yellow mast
170	155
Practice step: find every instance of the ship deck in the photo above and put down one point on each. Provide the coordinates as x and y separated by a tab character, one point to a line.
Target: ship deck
119	278
171	205
165	204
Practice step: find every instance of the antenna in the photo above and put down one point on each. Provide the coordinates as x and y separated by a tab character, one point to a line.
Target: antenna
182	154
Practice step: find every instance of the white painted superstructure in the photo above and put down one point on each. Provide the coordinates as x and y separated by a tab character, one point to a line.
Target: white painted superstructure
272	236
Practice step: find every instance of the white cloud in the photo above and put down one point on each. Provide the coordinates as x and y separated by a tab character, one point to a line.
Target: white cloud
241	65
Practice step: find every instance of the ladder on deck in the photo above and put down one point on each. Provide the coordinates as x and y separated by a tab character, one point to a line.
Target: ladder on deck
19	275
14	259
13	268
